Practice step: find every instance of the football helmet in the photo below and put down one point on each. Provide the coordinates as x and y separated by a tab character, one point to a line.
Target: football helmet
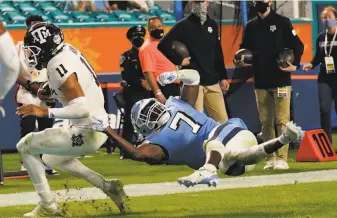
42	41
149	115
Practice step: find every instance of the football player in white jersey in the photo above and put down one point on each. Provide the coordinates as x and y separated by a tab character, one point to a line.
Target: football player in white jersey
72	82
9	64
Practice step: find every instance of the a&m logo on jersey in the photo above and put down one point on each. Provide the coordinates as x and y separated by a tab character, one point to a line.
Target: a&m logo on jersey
40	34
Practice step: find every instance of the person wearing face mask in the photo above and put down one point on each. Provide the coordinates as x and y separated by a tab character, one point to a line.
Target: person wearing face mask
137	87
326	57
200	35
154	63
266	35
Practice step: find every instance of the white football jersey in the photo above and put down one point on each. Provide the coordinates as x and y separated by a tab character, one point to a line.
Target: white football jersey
64	64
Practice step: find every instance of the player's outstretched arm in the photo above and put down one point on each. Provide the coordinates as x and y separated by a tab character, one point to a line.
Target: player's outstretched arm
191	80
146	152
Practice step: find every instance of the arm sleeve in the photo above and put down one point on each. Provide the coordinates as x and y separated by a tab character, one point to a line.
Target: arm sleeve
147	60
165	44
293	41
76	109
318	55
219	58
246	38
128	73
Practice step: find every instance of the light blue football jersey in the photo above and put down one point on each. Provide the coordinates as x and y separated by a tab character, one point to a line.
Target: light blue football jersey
183	135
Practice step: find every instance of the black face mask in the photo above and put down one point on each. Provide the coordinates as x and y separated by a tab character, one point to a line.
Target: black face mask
137	42
261	7
157	33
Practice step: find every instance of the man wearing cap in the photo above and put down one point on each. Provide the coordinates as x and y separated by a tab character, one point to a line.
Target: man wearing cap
266	35
136	87
200	35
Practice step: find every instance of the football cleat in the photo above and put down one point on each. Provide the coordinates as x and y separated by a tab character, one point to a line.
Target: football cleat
114	189
205	175
44	210
292	133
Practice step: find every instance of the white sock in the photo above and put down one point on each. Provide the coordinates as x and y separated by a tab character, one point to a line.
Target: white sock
36	171
210	167
252	155
76	168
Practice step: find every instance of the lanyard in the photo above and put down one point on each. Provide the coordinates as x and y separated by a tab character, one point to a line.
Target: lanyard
326	42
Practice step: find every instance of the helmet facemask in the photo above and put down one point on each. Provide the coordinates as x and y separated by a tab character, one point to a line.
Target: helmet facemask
148	116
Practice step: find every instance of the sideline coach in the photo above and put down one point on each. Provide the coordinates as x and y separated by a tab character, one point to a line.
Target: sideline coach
200	35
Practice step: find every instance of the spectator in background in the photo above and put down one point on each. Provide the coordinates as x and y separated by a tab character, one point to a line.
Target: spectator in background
123	5
200	34
326	50
154	63
145	4
81	5
266	36
137	87
26	93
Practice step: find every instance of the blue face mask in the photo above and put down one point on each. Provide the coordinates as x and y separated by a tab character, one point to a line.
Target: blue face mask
329	23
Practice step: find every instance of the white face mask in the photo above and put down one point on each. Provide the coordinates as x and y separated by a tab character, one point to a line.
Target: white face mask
201	11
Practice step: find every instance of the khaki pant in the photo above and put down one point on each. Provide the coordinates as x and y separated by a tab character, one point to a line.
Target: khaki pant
274	112
211	98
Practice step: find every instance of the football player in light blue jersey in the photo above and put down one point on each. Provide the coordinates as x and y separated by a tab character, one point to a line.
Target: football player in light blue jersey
175	133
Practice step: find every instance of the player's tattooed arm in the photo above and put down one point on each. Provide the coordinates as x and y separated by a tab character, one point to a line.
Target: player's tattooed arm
146	152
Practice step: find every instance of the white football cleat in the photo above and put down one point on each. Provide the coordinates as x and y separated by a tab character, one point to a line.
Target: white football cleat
205	175
43	210
270	164
292	133
281	165
114	189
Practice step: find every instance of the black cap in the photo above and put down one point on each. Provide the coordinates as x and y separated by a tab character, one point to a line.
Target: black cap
136	31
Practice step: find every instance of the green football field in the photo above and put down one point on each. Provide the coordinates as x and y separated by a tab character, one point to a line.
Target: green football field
312	200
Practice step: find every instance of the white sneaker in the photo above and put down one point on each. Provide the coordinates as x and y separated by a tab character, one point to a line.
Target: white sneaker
281	165
23	168
269	165
114	189
205	175
42	210
292	133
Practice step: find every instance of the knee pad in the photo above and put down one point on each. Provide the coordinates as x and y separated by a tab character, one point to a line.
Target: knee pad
23	145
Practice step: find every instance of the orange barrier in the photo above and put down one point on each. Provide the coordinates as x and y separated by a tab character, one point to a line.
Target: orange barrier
103	46
316	146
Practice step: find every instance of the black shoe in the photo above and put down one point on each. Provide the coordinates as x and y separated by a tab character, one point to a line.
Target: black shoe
52	172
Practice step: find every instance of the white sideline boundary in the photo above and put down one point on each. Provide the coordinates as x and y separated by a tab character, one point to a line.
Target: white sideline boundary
137	190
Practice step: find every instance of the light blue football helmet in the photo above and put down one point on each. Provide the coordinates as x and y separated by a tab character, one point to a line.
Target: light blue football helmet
149	115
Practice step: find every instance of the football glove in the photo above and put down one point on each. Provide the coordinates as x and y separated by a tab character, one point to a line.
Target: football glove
167	78
98	125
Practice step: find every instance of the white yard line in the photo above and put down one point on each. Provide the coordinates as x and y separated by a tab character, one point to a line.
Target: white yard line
136	190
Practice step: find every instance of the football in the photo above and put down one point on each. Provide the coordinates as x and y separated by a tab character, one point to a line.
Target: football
287	55
245	56
180	49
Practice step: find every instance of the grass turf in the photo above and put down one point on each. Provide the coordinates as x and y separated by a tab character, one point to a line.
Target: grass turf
311	200
132	172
